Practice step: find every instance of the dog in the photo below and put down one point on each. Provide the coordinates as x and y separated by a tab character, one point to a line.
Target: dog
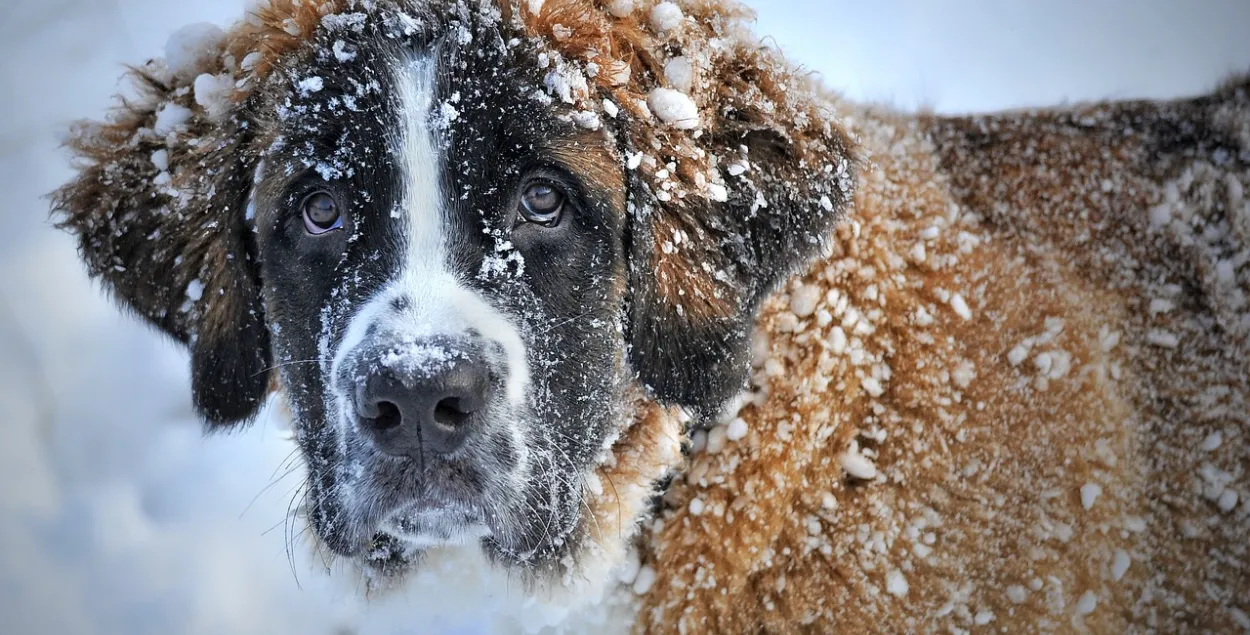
609	294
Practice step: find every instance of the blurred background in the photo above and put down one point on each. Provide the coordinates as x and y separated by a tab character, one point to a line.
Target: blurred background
118	517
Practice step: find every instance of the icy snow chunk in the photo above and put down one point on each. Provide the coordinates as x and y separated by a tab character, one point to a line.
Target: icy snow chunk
1212	442
736	430
717	192
160	159
610	108
251	60
1089	494
213	92
195	290
680	73
665	16
189	49
621	8
586	119
674	107
857	465
1019	353
983	617
964	373
170	117
1163	339
1017	594
646	578
1087	603
896	584
1240	617
1227	500
696	506
1120	564
960	306
872	386
716	439
343	51
310	85
803	300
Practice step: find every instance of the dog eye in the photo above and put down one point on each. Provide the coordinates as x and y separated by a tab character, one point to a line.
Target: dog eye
321	213
542	204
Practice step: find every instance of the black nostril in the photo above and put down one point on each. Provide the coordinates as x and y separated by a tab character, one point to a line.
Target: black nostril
388	416
452	412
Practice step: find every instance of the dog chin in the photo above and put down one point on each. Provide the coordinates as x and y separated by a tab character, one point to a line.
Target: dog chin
426	527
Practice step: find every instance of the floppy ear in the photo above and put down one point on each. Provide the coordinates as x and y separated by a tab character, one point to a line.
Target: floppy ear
158	208
719	219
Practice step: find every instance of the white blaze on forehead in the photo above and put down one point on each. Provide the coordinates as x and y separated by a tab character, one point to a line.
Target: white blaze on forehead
420	157
436	300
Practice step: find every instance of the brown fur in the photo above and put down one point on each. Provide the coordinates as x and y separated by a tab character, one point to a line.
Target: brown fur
1042	217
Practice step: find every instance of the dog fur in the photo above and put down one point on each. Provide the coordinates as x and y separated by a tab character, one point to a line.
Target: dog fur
1008	390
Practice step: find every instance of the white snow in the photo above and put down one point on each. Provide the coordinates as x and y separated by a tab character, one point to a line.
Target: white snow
169	118
621	8
213	92
1090	493
960	306
189	49
736	430
310	85
646	578
896	584
1087	603
665	17
679	72
674	108
1120	564
1212	442
857	465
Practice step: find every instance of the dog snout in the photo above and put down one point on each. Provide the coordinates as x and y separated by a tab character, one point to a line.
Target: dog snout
427	397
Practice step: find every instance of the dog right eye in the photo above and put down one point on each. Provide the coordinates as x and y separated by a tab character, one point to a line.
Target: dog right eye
321	213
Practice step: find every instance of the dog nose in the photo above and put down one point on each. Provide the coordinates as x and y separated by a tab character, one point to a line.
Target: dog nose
427	402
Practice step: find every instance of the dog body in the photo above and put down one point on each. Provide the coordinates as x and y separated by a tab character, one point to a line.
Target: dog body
504	261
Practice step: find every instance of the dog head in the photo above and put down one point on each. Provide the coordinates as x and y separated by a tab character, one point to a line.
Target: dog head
479	246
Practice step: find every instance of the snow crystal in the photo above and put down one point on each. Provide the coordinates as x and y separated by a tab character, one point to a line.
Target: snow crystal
343	52
621	8
1089	494
1163	339
803	300
646	578
674	107
213	93
856	464
587	119
896	584
195	290
1212	442
961	307
872	386
160	159
610	108
680	73
736	430
170	117
1120	564
310	85
983	617
696	506
1017	594
1227	501
665	16
716	439
189	49
1240	617
1087	603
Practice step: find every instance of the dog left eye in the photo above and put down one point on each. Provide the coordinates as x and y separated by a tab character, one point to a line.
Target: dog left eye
542	204
321	213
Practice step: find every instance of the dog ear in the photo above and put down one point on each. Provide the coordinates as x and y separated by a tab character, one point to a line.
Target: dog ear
719	218
158	208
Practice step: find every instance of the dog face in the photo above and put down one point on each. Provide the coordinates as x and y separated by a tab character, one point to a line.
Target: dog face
440	256
463	259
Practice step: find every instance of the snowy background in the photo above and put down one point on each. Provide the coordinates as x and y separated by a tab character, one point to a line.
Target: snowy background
117	517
